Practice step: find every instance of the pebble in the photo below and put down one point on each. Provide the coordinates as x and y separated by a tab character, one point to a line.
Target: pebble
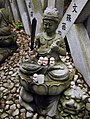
89	92
6	85
29	114
4	97
79	81
6	107
16	112
88	106
48	117
11	117
11	85
67	57
9	112
2	88
4	115
22	116
22	110
6	90
18	106
70	67
13	90
35	116
1	110
13	107
11	72
80	86
9	102
41	117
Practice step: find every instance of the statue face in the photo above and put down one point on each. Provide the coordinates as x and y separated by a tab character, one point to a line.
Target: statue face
40	61
45	61
52	61
49	25
35	77
72	85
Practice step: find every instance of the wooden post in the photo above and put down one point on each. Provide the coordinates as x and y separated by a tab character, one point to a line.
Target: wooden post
14	9
24	15
79	44
38	12
29	10
70	16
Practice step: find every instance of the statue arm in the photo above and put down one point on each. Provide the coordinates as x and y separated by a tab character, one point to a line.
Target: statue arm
7	16
37	42
62	48
59	47
4	25
6	41
5	31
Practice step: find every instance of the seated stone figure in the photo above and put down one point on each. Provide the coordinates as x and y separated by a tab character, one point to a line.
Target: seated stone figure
7	38
49	44
45	77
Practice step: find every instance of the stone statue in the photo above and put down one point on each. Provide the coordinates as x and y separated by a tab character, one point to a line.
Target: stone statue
7	37
45	76
72	103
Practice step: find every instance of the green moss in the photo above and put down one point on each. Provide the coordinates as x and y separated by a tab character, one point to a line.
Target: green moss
18	25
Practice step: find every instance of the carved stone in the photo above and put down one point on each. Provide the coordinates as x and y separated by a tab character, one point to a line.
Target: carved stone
7	37
45	76
72	103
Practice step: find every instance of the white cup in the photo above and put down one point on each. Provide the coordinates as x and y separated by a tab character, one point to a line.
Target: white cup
40	78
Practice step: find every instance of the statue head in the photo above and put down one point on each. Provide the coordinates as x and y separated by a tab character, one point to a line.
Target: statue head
2	3
51	14
50	20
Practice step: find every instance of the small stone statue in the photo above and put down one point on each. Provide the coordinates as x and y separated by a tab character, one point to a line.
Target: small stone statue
72	103
7	37
52	74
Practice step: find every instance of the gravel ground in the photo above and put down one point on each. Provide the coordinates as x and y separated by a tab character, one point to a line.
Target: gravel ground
10	107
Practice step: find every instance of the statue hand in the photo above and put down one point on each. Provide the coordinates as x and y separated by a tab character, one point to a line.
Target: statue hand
55	43
55	48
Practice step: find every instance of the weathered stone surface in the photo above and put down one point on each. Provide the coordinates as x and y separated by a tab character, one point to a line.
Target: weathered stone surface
79	44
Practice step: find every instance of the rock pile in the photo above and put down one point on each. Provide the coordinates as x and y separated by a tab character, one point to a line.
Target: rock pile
10	107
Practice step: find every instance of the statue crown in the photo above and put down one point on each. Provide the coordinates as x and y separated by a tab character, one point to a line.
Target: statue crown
51	13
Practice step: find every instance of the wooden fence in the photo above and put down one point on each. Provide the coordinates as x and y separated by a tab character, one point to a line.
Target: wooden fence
26	10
